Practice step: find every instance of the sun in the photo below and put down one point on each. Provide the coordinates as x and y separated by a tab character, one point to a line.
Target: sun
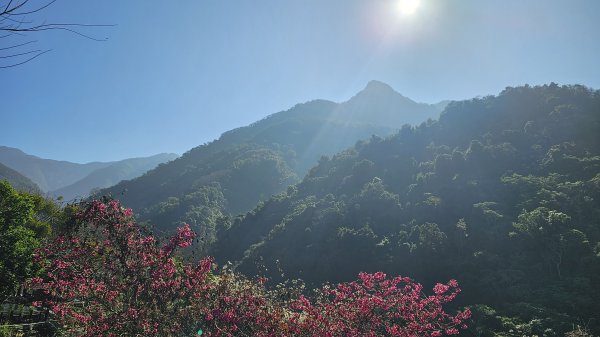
408	7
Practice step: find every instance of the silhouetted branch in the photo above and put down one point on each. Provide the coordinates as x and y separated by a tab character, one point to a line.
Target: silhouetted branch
27	60
12	10
19	54
15	19
18	45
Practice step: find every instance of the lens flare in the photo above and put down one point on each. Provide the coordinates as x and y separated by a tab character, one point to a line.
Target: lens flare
408	7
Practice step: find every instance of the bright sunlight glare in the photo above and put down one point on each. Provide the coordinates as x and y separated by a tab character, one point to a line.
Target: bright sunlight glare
408	7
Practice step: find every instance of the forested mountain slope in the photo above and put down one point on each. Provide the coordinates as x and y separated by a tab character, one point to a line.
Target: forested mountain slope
249	164
502	193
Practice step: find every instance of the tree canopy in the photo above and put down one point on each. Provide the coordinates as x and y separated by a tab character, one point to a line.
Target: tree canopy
501	193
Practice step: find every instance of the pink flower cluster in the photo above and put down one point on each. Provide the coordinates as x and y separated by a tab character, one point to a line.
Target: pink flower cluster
108	278
182	239
377	306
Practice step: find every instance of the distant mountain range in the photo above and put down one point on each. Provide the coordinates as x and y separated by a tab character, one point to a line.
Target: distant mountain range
110	175
249	164
72	180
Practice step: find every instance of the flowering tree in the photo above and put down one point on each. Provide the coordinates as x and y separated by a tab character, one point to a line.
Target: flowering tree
377	306
106	277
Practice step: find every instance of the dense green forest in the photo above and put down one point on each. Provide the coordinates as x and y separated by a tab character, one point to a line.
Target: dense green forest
239	169
501	193
247	165
26	220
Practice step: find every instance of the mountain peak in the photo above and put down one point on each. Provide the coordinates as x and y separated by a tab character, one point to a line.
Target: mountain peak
378	93
378	86
377	90
379	104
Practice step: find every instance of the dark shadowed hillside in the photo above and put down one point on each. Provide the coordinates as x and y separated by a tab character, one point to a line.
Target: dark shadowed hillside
502	193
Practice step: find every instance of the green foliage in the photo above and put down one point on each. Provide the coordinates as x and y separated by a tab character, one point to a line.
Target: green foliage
521	169
24	220
579	331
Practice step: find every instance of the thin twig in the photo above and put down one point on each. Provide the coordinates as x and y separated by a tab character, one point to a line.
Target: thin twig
20	54
18	45
20	63
13	20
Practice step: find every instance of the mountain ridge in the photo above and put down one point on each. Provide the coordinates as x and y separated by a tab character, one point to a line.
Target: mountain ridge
286	144
108	176
501	193
48	174
73	179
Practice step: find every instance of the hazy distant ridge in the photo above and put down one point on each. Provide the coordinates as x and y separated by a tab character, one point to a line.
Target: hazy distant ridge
70	180
48	174
111	175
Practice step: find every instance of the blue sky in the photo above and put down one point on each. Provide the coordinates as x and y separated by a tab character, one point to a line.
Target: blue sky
174	75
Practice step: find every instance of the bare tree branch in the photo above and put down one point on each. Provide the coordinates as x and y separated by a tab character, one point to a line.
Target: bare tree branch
18	45
20	54
27	60
16	19
11	11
